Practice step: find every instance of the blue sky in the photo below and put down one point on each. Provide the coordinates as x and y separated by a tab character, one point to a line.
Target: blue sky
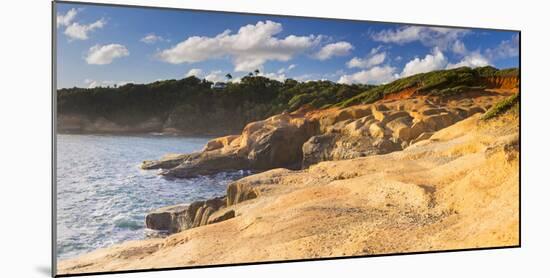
106	45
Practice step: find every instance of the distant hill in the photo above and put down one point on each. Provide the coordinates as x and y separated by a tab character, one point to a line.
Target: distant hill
191	106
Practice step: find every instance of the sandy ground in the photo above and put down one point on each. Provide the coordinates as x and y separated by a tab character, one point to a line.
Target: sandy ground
459	189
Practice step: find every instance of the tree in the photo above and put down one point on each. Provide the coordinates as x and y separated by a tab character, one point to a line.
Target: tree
250	74
229	76
256	71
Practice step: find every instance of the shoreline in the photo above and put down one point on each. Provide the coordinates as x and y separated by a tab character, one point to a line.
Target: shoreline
331	208
341	181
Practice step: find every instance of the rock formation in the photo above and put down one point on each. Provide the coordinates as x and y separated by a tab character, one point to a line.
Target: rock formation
456	189
308	136
410	172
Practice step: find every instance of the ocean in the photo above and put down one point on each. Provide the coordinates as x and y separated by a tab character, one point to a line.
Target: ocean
103	195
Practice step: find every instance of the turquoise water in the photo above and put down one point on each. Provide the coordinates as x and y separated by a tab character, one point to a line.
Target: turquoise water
103	195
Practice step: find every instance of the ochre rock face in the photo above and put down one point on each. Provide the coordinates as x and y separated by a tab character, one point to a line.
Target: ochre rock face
308	136
457	188
174	219
506	82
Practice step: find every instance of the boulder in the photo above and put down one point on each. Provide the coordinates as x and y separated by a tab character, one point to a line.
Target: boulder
170	219
279	147
200	211
174	219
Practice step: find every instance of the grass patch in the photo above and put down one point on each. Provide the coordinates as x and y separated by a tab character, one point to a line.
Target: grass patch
509	104
440	82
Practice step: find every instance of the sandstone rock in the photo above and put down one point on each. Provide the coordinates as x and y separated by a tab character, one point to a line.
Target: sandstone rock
376	130
207	164
359	127
437	122
218	143
386	146
421	137
318	148
388	117
330	119
433	111
239	192
379	111
359	111
171	219
400	128
201	210
221	216
339	126
174	219
168	161
279	148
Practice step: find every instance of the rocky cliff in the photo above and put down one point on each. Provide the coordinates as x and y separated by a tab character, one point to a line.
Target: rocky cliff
456	189
413	171
308	136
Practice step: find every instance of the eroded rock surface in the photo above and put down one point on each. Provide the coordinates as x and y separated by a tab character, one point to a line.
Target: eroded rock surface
308	136
430	196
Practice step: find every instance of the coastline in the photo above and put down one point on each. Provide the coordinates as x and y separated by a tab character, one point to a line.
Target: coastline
424	192
430	196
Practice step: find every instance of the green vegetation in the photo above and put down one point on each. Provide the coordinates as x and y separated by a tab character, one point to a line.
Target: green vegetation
192	103
441	82
505	105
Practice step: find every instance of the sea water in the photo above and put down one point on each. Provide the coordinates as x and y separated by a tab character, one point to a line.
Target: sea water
103	195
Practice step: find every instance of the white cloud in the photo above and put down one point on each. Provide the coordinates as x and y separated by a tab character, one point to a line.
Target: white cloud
283	70
506	49
105	54
215	76
79	31
152	38
459	47
66	19
94	83
194	72
375	75
373	59
281	77
473	60
434	61
334	49
249	48
429	36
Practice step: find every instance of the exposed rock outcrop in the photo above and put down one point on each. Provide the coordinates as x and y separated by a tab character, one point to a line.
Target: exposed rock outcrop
308	136
272	143
433	195
173	219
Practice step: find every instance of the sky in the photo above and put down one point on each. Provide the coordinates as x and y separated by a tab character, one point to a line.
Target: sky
108	45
